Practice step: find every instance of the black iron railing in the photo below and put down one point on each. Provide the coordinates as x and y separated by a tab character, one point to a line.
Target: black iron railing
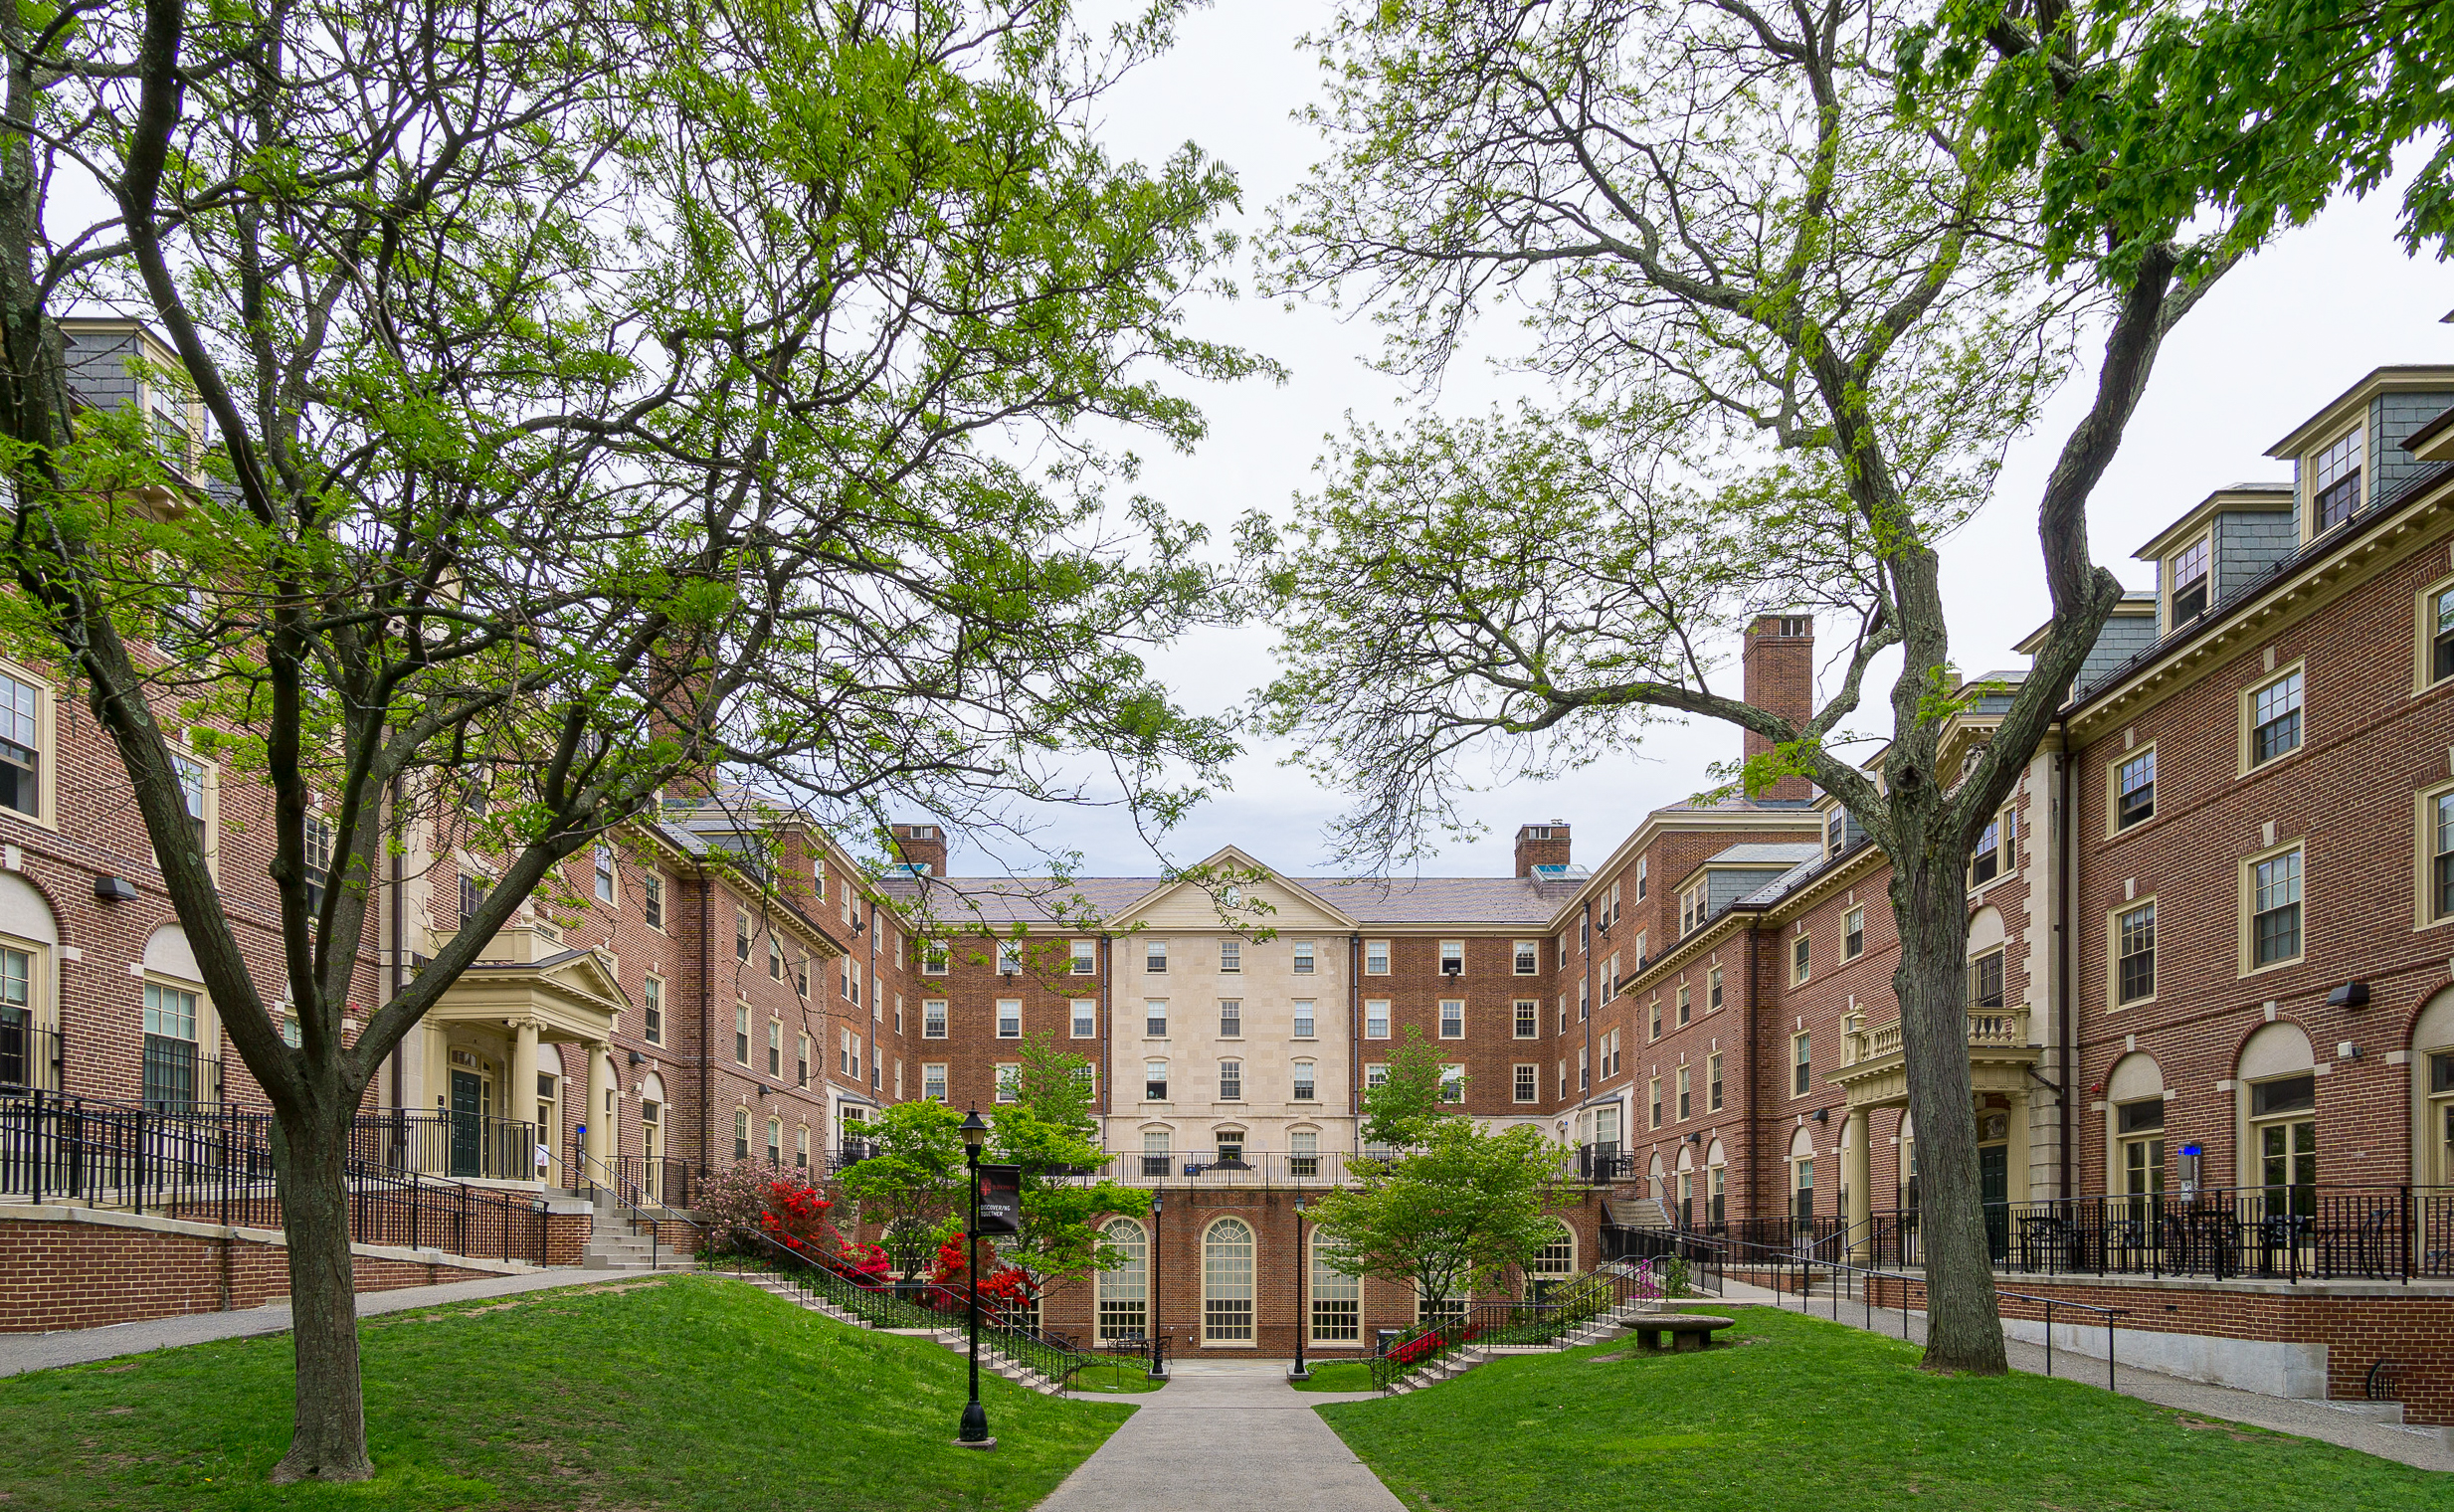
463	1146
29	1056
659	1180
1601	1164
1559	1312
214	1165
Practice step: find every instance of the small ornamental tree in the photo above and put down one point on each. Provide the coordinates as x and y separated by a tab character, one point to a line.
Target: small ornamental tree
1448	1216
1401	1112
912	1181
1050	1131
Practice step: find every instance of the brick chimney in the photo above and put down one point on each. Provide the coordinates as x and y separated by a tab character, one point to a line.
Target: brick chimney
1780	679
922	847
1541	846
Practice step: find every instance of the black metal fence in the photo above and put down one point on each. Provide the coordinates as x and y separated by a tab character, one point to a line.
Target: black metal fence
214	1165
463	1146
29	1056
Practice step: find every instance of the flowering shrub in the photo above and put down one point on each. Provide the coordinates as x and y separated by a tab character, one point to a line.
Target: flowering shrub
753	1198
865	1263
796	1218
1003	1286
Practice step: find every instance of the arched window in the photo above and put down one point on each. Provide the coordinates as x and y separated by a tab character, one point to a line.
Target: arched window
1716	1183
775	1141
741	1133
1226	1282
2278	1109
1124	1293
1803	1176
1337	1302
2135	1111
2432	1063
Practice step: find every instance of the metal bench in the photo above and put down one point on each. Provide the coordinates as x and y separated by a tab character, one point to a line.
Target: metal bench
1687	1330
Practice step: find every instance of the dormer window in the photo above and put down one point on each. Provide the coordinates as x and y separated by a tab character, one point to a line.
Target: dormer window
2334	481
2190	583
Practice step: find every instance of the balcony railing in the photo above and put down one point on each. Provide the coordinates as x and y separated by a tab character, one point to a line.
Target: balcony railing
1601	1164
462	1146
851	1152
1228	1167
1994	1028
29	1056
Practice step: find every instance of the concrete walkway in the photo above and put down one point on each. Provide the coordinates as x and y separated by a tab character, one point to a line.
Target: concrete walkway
20	1352
2348	1424
1226	1438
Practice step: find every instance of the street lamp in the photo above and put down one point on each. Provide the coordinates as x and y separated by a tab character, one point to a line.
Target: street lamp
1303	1269
974	1434
1152	1328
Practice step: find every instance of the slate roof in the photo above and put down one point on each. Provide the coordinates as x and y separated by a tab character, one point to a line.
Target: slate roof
1784	854
1501	900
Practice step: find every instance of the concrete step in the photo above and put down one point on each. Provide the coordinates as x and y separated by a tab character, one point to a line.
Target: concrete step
2375	1411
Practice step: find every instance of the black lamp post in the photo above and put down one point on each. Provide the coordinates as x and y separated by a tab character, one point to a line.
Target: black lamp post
1303	1274
974	1430
1152	1372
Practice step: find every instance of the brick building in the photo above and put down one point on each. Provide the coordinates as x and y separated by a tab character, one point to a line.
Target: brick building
2209	974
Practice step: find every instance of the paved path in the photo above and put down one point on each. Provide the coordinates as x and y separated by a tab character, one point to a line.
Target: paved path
76	1345
1226	1438
2425	1447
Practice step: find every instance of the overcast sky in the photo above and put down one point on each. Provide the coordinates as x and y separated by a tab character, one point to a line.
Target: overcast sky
2277	339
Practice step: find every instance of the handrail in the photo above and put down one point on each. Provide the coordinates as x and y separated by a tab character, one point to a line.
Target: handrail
613	1188
1495	1323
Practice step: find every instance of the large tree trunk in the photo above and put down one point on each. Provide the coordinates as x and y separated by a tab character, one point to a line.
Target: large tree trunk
1964	1329
329	1436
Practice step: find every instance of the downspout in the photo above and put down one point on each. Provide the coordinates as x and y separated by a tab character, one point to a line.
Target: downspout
1107	1033
2066	828
1354	1035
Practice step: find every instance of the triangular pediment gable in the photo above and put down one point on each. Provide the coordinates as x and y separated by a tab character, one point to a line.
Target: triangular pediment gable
1271	900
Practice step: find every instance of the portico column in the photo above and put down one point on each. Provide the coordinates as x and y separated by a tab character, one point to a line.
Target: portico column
1856	1173
2016	1186
600	1124
520	1105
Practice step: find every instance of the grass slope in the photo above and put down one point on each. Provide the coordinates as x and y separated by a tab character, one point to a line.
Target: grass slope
1806	1414
685	1393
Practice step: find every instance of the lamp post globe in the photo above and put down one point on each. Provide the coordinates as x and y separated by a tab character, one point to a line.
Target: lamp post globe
975	1428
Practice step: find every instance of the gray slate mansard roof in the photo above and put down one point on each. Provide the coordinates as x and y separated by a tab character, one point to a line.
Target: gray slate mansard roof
1766	854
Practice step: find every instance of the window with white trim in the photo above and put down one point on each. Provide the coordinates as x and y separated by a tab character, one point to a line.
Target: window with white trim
1009	1018
2134	953
1853	934
932	1017
1527	1083
1300	1083
1230	955
2275	909
1528	1018
1375	1018
1376	958
1085	1017
2275	719
1452	1017
933	1081
1086	958
1009	1080
2334	481
2133	790
1301	1024
2187	573
1304	958
21	746
1529	957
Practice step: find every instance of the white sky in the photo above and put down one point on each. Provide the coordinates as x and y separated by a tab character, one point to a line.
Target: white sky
2277	339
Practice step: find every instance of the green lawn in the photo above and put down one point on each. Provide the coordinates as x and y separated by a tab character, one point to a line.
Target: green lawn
1811	1415
683	1393
1116	1375
1337	1376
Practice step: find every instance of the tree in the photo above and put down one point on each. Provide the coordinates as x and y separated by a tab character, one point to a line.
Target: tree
1411	1102
1448	1216
594	399
1050	1131
1791	304
912	1178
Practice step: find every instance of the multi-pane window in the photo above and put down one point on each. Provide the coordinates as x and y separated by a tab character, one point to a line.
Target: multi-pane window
775	1049
1528	1084
1375	1075
1644	875
2190	582
1009	1018
1611	1058
2134	790
1009	1079
1685	1005
1712	991
800	1148
315	839
1155	1081
604	872
933	1081
1154	1152
1155	957
1231	1017
741	935
21	759
1836	831
1453	1083
1376	958
775	963
1652	1099
1085	1017
1528	1018
1691	910
192	794
170	1051
1375	1018
801	1063
1802	1065
474	893
1304	958
2135	944
1985	979
2335	481
652	1008
1124	1288
1853	934
741	1034
1008	957
1155	1018
1654	1019
1985	860
2440	642
1712	1082
1529	958
1301	1026
1231	955
2275	908
1086	958
1226	1282
1611	977
1337	1302
933	1018
741	1133
1452	957
933	957
2442	855
1300	1083
1230	1081
652	898
1453	1019
2275	719
1686	1103
1801	958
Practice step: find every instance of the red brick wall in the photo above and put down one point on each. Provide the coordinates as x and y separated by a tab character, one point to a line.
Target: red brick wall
56	1275
1780	679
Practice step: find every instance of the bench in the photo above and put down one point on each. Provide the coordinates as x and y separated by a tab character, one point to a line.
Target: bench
1687	1330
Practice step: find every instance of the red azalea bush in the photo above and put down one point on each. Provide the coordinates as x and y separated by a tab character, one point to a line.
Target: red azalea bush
1003	1286
866	1263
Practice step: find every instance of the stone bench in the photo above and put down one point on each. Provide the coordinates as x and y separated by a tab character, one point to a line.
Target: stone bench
1687	1330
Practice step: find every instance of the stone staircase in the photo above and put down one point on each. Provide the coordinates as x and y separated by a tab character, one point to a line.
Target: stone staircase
613	1244
953	1338
1598	1330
